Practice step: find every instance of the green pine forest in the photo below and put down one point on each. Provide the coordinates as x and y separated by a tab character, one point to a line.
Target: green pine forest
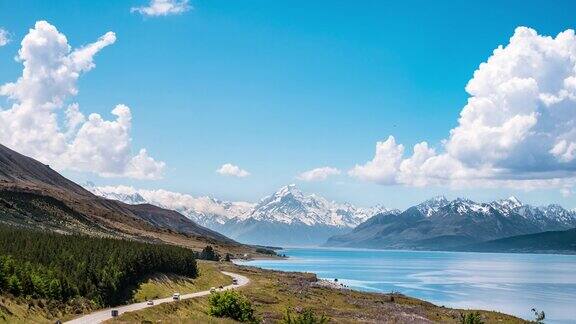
60	267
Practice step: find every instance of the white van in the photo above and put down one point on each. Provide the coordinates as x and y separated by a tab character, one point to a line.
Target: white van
176	296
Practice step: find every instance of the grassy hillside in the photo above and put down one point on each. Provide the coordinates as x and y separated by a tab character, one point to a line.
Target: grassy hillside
272	292
164	285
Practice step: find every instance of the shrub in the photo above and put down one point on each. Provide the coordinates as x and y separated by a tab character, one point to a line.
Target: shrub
307	316
208	253
232	304
471	318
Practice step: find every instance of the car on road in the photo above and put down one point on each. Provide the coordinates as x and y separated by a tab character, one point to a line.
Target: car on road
212	289
235	281
114	313
150	302
176	296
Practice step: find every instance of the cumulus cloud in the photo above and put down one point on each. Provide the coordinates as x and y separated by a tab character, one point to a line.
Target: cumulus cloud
232	170
518	127
163	8
40	123
318	174
4	37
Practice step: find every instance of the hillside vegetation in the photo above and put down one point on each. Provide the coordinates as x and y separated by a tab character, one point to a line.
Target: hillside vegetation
164	285
61	267
274	294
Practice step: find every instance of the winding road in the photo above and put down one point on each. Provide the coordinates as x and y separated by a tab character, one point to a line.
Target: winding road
106	314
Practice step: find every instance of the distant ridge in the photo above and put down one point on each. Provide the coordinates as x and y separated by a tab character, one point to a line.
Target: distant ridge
440	224
545	242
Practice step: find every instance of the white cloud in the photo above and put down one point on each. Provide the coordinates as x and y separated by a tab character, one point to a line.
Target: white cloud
232	170
384	167
33	124
4	37
163	8
517	129
318	174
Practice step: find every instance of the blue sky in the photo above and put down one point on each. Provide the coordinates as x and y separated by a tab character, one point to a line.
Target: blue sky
281	87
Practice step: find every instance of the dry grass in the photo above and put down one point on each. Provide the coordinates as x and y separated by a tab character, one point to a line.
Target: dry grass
21	310
272	292
186	311
162	285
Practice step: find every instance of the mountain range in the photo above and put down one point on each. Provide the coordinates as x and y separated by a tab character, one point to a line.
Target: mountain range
440	224
291	218
287	217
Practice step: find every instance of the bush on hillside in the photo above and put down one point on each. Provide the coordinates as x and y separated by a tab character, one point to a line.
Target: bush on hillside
471	318
233	305
307	316
208	253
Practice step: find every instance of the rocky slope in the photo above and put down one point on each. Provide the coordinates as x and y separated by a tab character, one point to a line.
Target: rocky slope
35	196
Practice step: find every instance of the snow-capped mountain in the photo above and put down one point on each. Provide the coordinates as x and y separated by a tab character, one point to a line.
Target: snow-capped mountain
124	194
441	224
432	205
286	217
290	217
207	211
507	206
289	205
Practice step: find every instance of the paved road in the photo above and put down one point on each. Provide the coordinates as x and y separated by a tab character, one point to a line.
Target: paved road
106	314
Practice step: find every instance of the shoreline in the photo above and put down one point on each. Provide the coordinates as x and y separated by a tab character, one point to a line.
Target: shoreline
366	305
444	297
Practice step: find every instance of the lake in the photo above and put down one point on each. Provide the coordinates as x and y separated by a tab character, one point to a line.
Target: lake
510	283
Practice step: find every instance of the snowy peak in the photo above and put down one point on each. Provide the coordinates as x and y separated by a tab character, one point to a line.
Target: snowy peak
289	205
124	194
465	206
507	206
289	190
558	213
512	201
432	205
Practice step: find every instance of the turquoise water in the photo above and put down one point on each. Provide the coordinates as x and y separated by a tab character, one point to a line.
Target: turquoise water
510	283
